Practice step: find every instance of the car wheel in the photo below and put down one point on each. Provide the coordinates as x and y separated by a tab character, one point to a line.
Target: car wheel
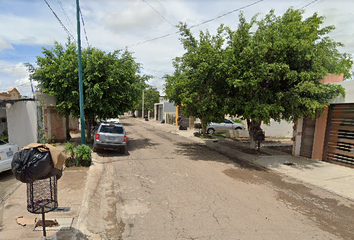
210	131
94	149
238	128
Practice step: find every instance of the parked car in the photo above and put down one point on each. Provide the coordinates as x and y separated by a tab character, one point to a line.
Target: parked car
223	127
110	135
113	120
7	151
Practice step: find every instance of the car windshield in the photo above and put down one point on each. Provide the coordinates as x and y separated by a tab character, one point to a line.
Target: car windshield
111	129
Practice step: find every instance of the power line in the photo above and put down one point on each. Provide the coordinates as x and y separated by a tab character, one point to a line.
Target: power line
65	29
67	17
197	25
225	14
159	14
83	24
309	4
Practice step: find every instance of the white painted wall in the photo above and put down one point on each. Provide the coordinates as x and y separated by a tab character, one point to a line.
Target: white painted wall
349	93
22	122
276	129
298	137
169	107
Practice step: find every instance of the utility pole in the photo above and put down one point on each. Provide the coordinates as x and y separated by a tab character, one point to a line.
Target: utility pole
82	119
142	111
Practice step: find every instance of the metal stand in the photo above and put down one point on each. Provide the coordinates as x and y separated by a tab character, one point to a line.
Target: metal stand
42	197
43	222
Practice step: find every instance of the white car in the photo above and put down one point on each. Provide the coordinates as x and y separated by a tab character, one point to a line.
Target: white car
7	151
113	120
223	127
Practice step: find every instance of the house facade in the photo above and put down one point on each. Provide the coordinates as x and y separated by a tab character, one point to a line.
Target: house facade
164	110
329	137
30	120
12	94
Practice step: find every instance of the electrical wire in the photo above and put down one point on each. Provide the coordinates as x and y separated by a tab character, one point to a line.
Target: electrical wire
68	20
225	14
309	4
83	24
197	25
159	13
61	23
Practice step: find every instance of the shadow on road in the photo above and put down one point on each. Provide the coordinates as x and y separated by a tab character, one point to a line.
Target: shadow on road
199	152
134	144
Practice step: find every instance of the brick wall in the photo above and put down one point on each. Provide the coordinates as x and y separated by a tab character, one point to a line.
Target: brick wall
55	124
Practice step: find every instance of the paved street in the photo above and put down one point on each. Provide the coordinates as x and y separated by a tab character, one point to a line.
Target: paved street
170	187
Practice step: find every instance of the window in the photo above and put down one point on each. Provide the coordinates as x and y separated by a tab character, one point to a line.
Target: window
111	129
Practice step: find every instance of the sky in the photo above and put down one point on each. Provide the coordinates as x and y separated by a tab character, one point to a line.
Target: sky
145	27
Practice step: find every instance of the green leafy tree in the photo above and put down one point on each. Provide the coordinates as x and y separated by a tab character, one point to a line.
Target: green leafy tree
151	96
111	81
197	83
274	72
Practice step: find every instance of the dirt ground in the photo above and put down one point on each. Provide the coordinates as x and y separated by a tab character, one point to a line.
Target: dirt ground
170	187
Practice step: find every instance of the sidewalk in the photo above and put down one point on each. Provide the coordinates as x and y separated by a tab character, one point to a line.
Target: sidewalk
331	177
70	192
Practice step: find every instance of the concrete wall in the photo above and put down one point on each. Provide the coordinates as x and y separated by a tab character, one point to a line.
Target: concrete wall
298	137
56	127
319	136
74	124
22	122
169	107
349	93
276	129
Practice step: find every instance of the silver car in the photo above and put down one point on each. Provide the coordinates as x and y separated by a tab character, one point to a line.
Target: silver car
223	127
110	135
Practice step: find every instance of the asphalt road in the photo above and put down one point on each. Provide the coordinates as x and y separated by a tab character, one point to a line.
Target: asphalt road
170	187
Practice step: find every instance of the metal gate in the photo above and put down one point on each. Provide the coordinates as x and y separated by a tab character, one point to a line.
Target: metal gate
339	147
308	131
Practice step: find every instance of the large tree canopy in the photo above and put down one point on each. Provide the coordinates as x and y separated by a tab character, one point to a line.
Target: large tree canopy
196	83
151	96
268	69
275	70
110	80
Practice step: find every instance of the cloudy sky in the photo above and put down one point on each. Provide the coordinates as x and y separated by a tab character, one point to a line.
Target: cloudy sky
146	27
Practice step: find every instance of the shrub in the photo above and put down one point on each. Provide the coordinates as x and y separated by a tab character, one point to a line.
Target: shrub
83	155
70	150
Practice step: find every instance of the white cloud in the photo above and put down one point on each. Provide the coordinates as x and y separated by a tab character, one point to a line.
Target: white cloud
4	45
17	71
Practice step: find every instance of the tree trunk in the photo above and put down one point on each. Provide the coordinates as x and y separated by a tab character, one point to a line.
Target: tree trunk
253	126
204	131
191	123
89	131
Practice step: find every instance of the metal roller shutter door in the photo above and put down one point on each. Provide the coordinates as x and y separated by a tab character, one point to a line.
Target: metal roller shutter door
340	135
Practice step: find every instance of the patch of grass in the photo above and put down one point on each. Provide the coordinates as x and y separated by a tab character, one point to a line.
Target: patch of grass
220	135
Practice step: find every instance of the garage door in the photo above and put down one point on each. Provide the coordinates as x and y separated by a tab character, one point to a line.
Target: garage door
339	146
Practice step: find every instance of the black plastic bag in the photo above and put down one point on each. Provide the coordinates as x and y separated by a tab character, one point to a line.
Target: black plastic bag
29	165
